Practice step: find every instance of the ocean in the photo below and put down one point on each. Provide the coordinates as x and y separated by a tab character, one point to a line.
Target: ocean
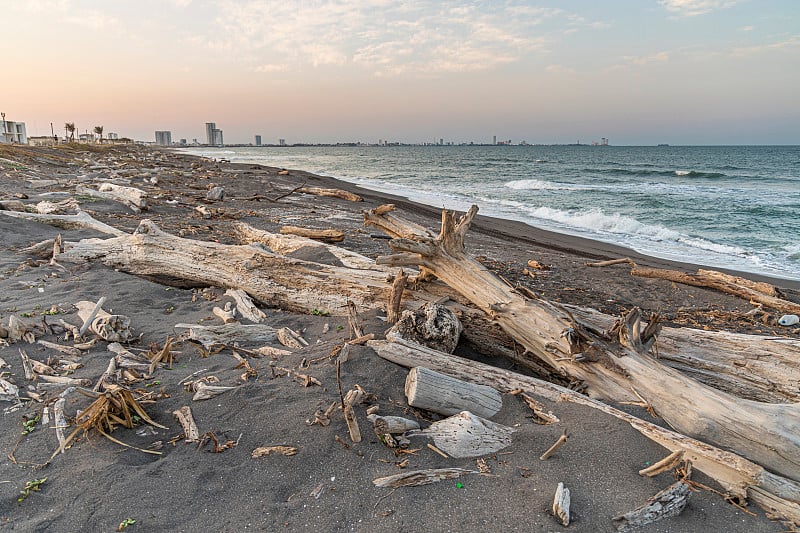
735	207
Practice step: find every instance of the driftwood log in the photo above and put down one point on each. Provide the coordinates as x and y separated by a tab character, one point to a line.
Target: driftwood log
131	197
440	393
741	478
324	235
617	367
77	221
467	435
333	193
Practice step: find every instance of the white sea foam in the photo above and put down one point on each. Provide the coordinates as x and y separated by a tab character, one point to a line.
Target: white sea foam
539	185
597	221
682	172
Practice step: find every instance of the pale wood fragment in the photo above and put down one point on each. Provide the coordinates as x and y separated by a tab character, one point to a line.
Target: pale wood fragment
290	338
225	334
396	297
227	316
113	328
433	325
667	463
415	478
392	424
204	391
245	306
467	435
561	503
552	449
427	389
352	398
667	503
26	365
66	350
60	422
265	451
131	197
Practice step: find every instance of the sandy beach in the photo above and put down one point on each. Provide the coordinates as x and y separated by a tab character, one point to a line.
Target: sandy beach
327	485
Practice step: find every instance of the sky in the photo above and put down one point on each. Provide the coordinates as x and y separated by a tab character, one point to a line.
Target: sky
637	72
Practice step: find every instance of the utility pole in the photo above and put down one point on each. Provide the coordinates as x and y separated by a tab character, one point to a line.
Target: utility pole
4	126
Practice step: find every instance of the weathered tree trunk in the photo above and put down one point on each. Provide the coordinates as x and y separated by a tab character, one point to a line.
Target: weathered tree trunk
334	193
79	220
617	369
324	235
427	389
741	478
131	197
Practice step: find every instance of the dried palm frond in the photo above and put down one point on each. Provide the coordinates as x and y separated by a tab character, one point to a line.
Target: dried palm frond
114	407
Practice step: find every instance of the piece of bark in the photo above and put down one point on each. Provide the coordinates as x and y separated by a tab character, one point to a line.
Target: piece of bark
227	334
334	193
427	389
541	416
46	207
415	478
324	235
290	338
561	503
60	422
26	365
76	221
741	478
433	325
203	210
87	318
19	330
245	306
190	431
204	391
266	451
270	351
609	367
667	503
467	435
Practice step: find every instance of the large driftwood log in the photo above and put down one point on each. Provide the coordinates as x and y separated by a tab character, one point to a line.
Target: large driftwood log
77	221
743	479
467	435
333	193
616	368
275	280
427	389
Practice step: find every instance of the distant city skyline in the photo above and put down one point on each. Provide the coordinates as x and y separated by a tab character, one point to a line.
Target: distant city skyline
632	71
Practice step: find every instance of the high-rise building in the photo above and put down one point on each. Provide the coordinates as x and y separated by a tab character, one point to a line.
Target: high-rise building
164	138
210	127
258	140
218	138
282	142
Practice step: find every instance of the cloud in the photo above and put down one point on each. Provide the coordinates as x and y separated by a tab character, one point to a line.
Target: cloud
388	38
94	20
181	3
791	42
746	28
693	8
559	69
271	68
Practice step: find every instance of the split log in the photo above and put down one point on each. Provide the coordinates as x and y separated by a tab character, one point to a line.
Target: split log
426	389
616	368
741	478
324	235
131	197
467	435
333	193
77	221
392	424
227	334
667	503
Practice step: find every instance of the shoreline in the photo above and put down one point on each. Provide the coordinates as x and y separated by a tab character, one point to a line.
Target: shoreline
523	232
555	238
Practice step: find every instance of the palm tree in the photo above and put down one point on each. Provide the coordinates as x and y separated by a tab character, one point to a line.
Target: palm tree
69	127
99	130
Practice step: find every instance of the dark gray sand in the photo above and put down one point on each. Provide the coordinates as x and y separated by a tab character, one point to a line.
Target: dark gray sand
327	486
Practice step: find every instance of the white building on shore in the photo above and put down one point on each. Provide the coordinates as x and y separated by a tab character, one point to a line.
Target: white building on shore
13	132
213	134
164	138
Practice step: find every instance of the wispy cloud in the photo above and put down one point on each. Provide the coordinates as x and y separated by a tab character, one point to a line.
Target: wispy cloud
790	42
693	8
389	38
94	20
659	57
746	28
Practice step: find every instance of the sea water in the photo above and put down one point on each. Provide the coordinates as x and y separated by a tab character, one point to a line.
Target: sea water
721	206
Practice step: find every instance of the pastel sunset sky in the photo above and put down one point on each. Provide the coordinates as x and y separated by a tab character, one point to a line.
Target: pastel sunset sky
634	71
